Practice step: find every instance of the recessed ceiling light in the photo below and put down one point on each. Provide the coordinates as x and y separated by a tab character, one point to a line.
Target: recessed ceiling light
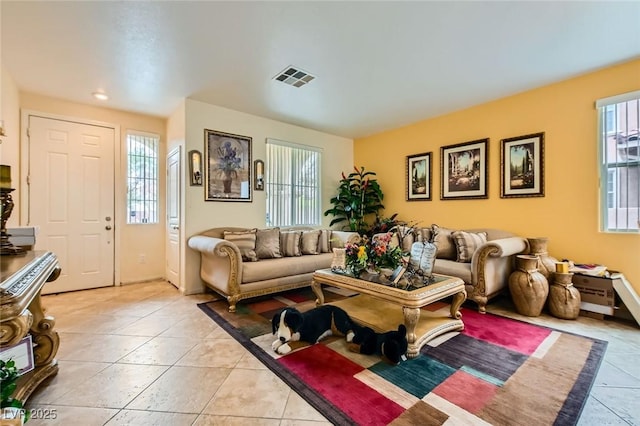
100	96
294	76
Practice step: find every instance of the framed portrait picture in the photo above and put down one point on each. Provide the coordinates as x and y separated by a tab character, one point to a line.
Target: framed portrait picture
464	171
419	177
522	166
228	166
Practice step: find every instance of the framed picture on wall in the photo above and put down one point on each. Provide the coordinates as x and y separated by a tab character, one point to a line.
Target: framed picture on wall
418	175
228	166
463	170
522	166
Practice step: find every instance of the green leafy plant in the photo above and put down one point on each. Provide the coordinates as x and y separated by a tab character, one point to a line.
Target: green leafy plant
8	377
359	197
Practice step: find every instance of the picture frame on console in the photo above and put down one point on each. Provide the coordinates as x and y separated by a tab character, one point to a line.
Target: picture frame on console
464	170
228	166
522	166
418	175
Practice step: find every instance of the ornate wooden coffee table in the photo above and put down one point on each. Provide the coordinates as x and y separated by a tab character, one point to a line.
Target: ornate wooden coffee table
377	305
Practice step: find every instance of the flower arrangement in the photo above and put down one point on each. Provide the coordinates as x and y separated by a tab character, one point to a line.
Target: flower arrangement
228	160
372	253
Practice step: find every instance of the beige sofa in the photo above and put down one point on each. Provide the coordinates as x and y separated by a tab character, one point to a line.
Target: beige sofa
484	267
225	270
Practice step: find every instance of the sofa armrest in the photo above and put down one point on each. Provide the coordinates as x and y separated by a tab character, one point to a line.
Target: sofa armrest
491	266
220	263
502	247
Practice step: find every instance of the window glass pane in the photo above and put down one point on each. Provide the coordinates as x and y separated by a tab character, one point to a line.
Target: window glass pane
292	184
620	166
142	178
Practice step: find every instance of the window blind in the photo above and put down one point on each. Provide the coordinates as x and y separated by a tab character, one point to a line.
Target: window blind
292	184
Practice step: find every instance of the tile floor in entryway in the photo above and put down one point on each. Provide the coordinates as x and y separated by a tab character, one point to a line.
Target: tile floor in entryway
143	354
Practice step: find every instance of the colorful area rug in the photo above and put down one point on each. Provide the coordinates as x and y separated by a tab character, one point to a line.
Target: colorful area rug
497	371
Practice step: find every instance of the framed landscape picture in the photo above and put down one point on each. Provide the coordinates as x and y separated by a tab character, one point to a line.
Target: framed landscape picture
522	166
228	166
419	177
464	172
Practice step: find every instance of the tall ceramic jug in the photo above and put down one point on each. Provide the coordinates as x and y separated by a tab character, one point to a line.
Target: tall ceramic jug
528	287
546	264
564	298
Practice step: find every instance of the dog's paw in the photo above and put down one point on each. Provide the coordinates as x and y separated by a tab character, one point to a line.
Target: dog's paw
349	336
276	344
284	349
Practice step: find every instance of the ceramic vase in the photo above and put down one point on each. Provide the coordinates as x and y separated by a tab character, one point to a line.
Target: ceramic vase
529	288
546	264
564	298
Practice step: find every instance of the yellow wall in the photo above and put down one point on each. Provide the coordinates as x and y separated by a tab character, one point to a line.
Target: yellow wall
134	240
568	213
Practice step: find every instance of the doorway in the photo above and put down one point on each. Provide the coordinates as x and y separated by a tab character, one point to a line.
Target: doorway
70	196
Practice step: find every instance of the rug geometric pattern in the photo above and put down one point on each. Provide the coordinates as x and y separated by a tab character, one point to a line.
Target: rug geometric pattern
496	371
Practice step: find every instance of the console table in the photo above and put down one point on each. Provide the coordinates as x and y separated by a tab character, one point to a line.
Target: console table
22	278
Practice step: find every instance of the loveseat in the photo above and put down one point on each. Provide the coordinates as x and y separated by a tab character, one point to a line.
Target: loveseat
483	258
240	263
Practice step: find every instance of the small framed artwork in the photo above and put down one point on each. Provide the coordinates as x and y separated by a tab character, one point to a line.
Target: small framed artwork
419	177
195	168
463	170
228	166
522	166
258	173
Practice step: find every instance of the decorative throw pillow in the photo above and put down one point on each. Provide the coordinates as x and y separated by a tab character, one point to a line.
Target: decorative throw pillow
290	243
467	243
268	243
324	242
309	242
340	238
444	241
246	242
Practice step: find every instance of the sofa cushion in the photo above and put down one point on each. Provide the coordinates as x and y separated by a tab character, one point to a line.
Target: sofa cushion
467	243
340	238
246	242
324	242
444	241
290	243
309	242
268	243
284	267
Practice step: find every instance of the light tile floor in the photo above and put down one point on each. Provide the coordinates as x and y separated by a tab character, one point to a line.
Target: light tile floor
143	354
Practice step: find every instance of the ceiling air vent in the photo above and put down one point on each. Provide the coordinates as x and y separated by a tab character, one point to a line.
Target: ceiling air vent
294	76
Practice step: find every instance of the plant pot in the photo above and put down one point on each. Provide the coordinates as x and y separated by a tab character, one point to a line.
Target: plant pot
564	298
528	287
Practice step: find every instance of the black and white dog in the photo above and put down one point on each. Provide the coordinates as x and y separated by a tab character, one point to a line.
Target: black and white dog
291	325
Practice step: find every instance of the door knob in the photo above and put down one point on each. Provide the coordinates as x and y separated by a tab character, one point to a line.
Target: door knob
108	228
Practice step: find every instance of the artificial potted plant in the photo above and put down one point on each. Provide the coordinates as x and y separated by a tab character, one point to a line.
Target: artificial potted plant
359	196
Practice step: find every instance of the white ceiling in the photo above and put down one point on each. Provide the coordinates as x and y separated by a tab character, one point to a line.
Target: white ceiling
379	65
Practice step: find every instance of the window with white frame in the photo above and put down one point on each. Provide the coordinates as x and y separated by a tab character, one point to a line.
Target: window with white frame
142	177
619	148
292	184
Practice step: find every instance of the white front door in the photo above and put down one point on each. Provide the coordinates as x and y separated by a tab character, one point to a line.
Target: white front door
173	217
71	199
